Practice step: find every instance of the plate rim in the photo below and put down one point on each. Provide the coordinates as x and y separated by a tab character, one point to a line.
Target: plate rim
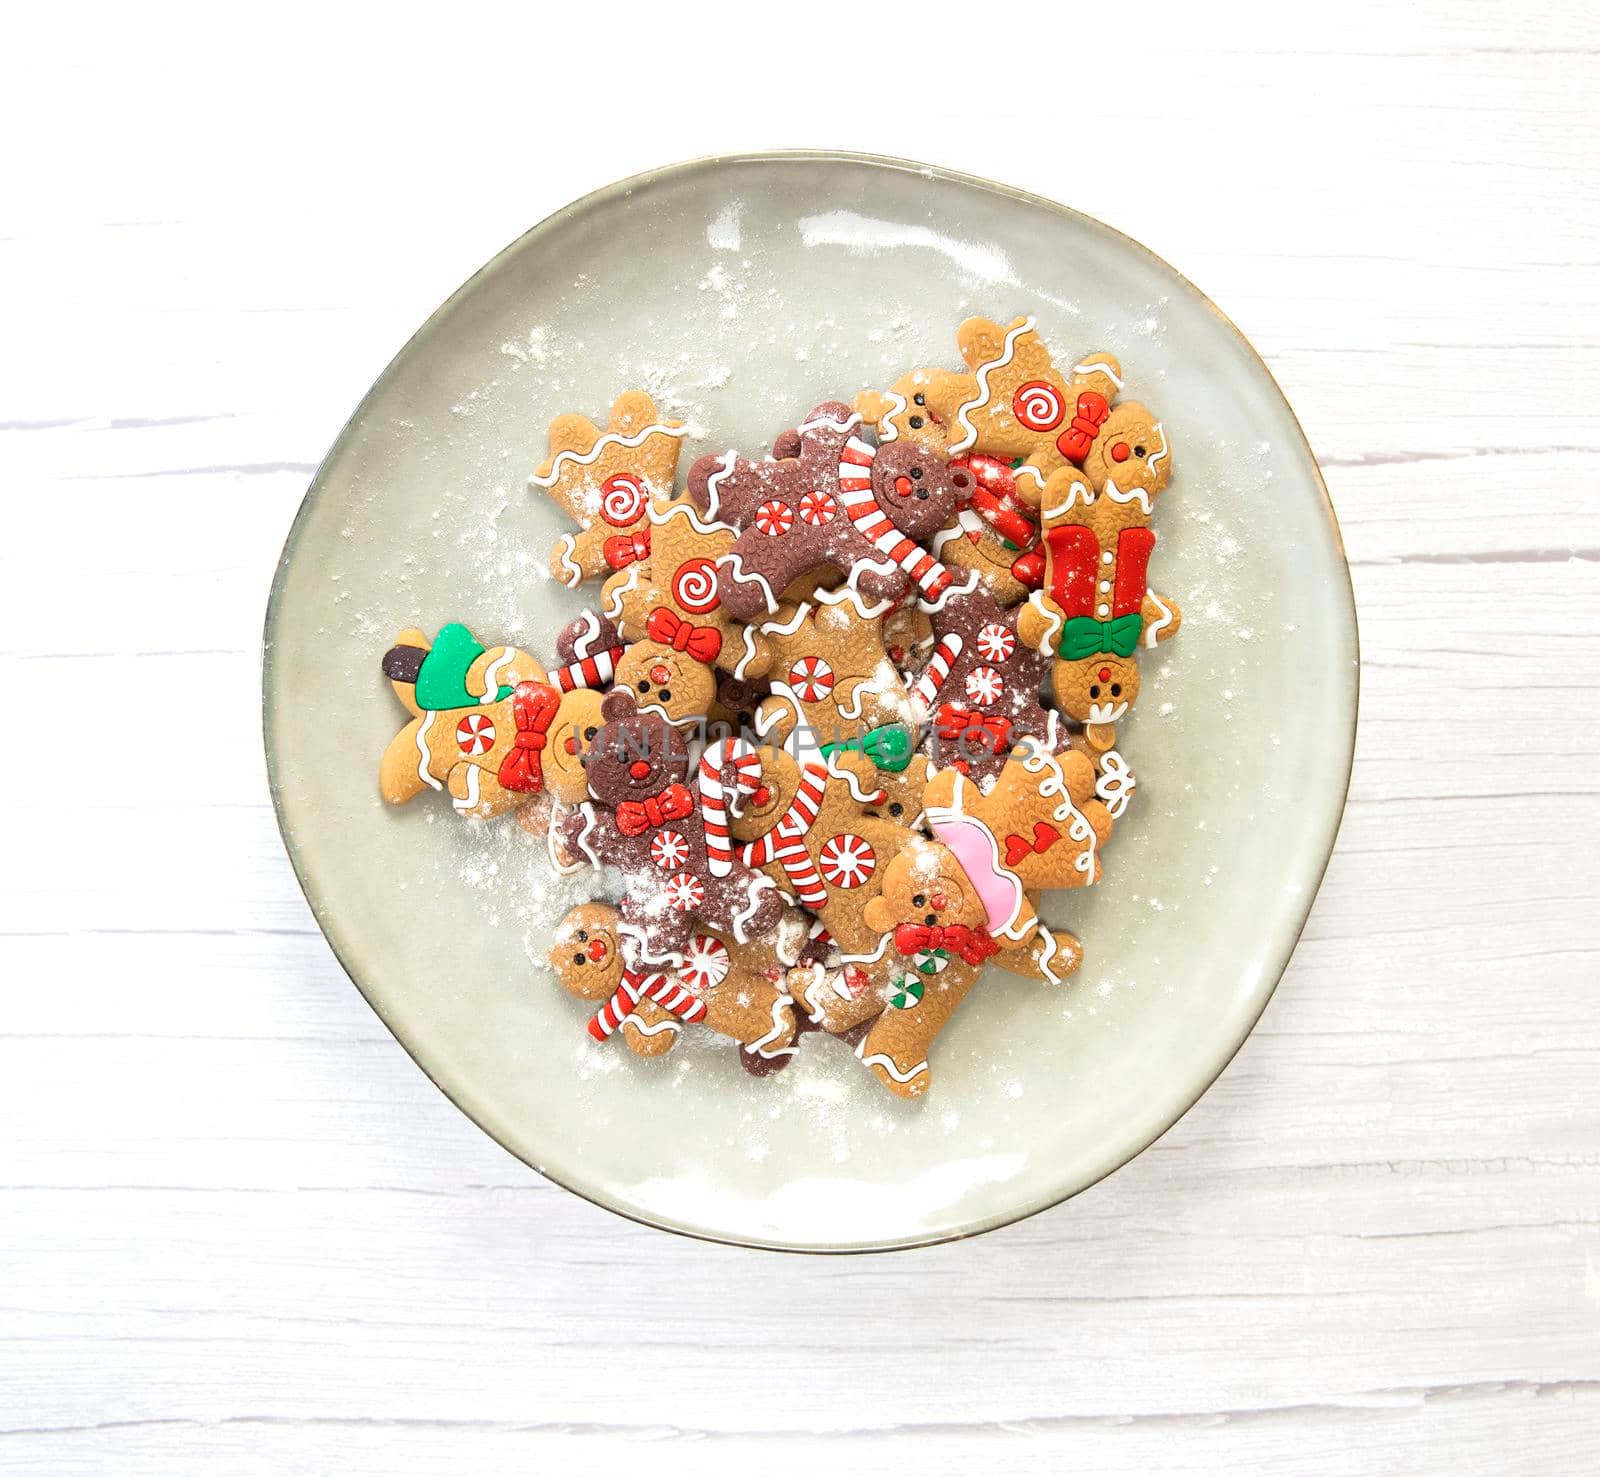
527	239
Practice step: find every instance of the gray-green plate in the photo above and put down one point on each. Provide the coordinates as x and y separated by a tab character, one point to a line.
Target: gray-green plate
741	291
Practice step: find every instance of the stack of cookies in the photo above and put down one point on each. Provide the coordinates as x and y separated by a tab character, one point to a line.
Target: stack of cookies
838	714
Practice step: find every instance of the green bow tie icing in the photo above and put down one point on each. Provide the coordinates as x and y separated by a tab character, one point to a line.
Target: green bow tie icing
442	677
888	747
1084	636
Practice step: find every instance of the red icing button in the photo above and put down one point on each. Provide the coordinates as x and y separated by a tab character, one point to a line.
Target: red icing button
762	795
903	485
1105	674
639	769
597	949
571	745
660	674
940	902
1119	451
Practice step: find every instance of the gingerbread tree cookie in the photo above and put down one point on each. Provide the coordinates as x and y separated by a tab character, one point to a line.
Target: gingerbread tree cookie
605	481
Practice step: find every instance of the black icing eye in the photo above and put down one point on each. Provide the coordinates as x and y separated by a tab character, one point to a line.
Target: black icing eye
916	474
579	959
1116	689
915	423
665	694
583	935
1138	451
1094	689
896	808
588	735
919	400
918	901
744	719
643	685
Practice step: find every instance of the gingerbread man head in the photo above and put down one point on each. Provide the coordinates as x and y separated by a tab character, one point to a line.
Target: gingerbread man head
634	754
481	722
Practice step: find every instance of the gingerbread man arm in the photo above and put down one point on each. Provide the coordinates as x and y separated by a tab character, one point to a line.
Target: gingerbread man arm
1052	954
1039	623
1161	618
400	771
728	488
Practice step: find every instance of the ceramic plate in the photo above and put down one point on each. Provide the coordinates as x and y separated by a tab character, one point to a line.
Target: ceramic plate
740	292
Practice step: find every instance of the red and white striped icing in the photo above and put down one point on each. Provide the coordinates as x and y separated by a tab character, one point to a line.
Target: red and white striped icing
713	797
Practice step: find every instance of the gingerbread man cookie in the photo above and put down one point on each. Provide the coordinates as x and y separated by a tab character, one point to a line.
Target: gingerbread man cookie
1096	610
1040	826
481	722
941	940
834	687
828	498
995	532
605	481
906	410
671	841
669	607
980	688
1022	406
734	989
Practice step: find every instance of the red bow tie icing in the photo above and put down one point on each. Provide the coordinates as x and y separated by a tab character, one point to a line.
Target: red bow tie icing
1074	442
703	643
635	816
626	548
533	705
978	732
972	944
1044	837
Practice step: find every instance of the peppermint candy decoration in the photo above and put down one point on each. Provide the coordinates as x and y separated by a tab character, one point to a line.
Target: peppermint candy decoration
622	500
475	734
984	686
846	860
811	678
907	992
705	963
668	849
930	961
685	892
817	508
694	586
1038	405
773	518
997	642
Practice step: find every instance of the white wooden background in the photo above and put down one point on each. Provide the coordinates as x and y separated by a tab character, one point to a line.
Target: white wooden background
240	1232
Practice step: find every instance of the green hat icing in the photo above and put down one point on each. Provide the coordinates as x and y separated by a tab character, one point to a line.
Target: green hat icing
442	677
